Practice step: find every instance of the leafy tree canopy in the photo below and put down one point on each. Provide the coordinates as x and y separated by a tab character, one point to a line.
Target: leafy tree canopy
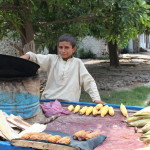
115	20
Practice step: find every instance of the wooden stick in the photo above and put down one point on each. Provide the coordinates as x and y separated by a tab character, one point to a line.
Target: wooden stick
41	145
6	130
18	122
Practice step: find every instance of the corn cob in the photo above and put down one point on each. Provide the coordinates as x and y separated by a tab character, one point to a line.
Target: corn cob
71	107
77	108
99	112
111	111
146	128
143	112
95	111
83	110
99	106
139	123
89	110
104	110
123	110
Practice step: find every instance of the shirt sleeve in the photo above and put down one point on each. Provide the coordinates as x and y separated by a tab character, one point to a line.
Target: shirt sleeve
88	83
42	60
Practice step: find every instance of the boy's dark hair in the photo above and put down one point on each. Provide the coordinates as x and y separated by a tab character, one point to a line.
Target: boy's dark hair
68	38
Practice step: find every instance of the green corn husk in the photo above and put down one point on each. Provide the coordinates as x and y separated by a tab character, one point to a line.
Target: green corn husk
145	136
139	123
146	128
147	133
144	148
134	118
139	131
142	112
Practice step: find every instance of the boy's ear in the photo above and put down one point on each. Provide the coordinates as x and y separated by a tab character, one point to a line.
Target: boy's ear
74	49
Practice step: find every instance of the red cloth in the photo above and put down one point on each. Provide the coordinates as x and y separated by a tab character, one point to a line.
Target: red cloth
119	135
54	108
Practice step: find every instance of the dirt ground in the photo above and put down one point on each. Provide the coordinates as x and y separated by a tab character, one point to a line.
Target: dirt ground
134	70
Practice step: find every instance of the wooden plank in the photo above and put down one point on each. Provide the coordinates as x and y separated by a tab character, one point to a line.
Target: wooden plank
34	128
41	145
18	122
2	135
10	124
6	130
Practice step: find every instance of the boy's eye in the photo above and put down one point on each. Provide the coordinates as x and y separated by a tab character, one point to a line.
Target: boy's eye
66	47
60	47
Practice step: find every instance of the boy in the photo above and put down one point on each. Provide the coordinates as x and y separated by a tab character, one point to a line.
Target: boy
66	74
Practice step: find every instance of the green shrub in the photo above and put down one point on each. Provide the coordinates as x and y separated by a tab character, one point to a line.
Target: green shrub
85	54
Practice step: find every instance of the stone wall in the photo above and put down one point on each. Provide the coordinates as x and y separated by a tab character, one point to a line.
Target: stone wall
6	48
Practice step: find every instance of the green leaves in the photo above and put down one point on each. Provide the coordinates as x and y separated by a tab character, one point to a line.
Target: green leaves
115	20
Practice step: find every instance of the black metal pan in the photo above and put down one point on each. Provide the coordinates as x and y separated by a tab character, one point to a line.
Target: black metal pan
11	67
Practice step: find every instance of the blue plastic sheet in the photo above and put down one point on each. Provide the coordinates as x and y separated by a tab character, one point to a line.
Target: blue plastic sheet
7	146
81	145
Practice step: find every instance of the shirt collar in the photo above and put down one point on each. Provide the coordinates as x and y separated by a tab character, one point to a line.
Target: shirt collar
66	60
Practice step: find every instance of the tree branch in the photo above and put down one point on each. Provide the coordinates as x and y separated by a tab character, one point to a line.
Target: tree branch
12	7
66	20
18	48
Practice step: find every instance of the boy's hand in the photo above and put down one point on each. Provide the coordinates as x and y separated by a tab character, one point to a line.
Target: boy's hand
26	56
99	102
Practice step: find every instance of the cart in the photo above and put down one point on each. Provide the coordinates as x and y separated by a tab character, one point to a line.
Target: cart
119	135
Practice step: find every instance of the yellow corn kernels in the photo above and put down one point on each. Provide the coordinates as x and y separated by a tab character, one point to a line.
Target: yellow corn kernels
89	110
77	108
71	107
104	110
83	110
123	110
99	112
111	111
95	111
99	106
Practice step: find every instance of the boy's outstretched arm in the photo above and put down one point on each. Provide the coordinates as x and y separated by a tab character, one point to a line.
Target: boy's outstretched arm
99	102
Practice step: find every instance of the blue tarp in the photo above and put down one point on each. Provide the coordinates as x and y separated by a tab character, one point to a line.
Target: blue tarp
7	146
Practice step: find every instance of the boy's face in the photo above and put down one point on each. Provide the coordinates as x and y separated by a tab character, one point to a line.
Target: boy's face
65	50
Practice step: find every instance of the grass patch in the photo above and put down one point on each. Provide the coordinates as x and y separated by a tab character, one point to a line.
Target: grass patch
133	97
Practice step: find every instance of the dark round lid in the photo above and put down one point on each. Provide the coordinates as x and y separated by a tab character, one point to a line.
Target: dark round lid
11	66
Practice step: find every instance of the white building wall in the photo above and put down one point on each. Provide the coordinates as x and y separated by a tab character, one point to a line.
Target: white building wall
98	47
130	46
142	41
149	42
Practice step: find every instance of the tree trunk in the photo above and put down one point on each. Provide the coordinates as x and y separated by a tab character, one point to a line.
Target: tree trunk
136	45
113	54
26	31
28	37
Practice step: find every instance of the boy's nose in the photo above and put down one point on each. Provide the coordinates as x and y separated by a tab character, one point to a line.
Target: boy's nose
63	49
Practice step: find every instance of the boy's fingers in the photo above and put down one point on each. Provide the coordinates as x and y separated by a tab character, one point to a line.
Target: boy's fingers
100	102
